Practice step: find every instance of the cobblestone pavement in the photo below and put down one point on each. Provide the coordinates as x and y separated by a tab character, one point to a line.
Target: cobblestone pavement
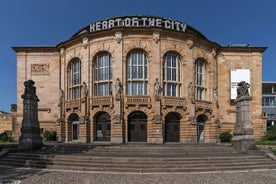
37	176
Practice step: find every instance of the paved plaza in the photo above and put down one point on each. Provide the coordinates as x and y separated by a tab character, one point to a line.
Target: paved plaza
37	176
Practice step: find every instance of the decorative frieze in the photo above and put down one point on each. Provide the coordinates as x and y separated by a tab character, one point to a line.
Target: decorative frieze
40	69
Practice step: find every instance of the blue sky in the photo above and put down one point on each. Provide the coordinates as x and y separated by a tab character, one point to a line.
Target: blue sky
49	22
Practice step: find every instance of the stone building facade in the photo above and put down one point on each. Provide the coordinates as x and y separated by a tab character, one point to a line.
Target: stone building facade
138	79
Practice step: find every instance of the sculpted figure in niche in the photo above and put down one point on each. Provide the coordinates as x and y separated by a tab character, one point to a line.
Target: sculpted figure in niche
61	96
242	89
215	96
157	89
84	92
118	89
191	92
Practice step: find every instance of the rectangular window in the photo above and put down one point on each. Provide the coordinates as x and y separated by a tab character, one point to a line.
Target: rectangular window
76	93
269	101
102	75
171	89
200	94
137	73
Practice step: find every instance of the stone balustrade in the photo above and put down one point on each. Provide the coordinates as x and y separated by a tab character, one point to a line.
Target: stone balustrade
72	104
173	102
138	101
101	101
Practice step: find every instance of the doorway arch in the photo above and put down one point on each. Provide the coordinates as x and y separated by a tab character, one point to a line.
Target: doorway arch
73	122
103	127
201	119
137	127
172	127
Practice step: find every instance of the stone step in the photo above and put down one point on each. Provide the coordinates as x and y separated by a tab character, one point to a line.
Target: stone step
139	150
141	158
146	168
134	163
112	157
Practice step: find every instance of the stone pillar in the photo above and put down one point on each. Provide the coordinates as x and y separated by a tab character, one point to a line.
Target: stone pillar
30	138
243	139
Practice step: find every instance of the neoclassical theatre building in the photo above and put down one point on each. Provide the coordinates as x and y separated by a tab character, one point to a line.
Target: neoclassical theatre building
139	79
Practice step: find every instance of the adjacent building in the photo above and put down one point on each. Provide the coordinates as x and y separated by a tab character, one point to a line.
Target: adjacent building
269	102
139	79
5	122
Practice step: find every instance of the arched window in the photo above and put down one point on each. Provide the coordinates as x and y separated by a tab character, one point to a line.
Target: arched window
200	80
137	73
171	75
102	78
74	77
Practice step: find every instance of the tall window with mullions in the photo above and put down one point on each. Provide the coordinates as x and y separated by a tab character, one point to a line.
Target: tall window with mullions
102	75
171	75
200	79
137	73
74	77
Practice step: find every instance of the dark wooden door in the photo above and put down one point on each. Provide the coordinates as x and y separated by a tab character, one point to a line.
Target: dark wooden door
75	130
172	128
137	127
103	127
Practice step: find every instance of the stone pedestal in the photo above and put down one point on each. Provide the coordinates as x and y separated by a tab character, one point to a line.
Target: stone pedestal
30	138
243	139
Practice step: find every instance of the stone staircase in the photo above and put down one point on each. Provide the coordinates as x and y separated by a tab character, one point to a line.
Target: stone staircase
139	158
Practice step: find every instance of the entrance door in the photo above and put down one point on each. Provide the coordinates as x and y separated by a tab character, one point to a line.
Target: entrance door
103	127
172	128
200	132
75	130
137	127
200	128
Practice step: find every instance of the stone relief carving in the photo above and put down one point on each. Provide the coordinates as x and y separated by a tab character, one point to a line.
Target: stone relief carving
118	37
117	118
190	44
242	89
40	69
157	118
59	121
85	42
83	119
156	37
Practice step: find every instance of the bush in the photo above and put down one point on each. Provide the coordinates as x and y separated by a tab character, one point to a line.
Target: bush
50	135
270	135
225	136
5	138
261	142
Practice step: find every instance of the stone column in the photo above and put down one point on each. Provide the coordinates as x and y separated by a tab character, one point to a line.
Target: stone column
243	139
30	138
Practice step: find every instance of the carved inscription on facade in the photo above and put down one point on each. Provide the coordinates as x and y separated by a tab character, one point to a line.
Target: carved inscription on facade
40	69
